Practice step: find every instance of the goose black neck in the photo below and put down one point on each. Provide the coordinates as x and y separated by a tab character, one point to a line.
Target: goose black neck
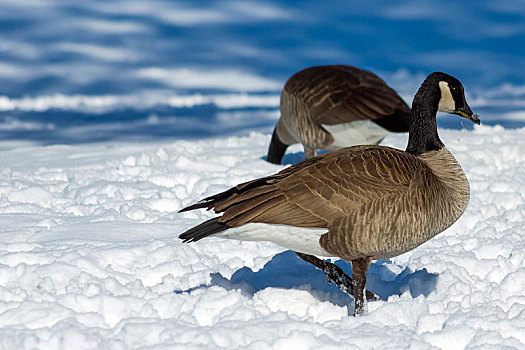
422	135
277	149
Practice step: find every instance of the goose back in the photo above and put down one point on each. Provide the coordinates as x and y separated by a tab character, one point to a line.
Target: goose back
341	93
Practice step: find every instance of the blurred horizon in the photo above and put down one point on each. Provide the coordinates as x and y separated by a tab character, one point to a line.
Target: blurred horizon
113	70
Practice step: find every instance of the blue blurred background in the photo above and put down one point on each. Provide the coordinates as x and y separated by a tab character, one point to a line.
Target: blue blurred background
94	71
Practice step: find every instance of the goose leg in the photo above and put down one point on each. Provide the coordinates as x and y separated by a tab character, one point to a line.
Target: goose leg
359	269
309	152
336	274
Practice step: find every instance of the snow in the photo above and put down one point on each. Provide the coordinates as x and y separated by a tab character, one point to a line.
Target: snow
114	115
89	256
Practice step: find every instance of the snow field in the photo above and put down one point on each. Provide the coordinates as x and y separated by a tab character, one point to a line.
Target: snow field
89	256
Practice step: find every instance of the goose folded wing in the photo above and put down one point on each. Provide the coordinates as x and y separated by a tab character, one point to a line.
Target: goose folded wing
347	101
315	192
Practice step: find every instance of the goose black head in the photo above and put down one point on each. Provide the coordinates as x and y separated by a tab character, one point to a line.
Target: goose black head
439	92
452	98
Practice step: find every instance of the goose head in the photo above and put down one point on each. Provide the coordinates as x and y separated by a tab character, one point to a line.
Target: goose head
452	97
439	92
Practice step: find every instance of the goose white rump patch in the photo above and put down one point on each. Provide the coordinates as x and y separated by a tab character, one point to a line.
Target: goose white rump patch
359	132
299	239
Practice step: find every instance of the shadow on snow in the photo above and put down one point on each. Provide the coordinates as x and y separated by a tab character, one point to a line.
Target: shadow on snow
286	270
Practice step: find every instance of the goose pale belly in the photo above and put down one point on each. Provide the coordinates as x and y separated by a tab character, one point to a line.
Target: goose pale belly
359	132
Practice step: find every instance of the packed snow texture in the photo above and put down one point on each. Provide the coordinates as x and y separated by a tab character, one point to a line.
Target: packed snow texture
95	100
89	256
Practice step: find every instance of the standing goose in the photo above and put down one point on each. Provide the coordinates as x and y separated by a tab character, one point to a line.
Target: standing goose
331	107
358	203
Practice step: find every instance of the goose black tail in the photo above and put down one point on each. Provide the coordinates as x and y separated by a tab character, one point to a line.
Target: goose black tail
203	230
276	150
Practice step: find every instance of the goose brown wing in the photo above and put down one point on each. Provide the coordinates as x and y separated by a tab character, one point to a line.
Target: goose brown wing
341	94
314	192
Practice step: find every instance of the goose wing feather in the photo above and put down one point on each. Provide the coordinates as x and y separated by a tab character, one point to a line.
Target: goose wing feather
341	94
315	192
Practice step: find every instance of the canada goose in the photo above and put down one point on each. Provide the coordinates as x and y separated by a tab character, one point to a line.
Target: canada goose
331	107
359	203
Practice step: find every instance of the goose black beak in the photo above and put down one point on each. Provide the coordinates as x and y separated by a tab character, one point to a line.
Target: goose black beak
467	113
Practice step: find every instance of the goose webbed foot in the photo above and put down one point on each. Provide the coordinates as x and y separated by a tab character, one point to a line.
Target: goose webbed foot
335	274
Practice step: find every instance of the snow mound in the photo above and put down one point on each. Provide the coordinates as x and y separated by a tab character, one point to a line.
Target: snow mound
89	256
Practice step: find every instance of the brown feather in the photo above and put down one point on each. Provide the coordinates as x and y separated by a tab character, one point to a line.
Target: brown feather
329	95
341	94
415	214
315	192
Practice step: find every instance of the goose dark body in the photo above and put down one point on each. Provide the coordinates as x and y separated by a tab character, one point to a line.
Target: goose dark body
358	203
346	97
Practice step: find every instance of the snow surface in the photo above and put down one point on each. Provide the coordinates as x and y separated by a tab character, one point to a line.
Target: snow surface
114	115
89	256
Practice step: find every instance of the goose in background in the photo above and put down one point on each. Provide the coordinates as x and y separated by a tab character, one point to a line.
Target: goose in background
359	203
331	107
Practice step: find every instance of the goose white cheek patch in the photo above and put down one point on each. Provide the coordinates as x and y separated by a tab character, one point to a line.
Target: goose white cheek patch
446	102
